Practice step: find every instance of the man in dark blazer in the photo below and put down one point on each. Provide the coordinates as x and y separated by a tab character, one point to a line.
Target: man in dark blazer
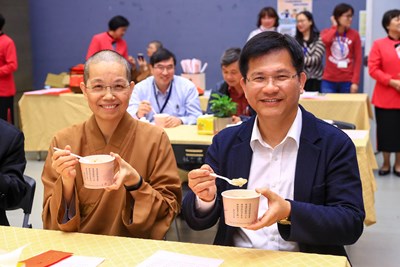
305	169
12	166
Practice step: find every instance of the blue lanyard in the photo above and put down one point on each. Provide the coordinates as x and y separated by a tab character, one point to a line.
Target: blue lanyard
341	45
305	49
166	100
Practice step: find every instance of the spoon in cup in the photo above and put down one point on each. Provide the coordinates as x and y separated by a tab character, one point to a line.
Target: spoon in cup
235	182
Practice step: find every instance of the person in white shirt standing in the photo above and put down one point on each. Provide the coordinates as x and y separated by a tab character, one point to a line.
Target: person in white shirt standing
267	20
305	169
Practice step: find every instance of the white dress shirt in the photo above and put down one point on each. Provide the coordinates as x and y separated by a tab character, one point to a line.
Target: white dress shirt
273	168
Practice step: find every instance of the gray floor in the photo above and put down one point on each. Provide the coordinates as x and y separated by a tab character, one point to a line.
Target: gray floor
378	246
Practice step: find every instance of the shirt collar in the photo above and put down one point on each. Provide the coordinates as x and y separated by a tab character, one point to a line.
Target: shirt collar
293	133
158	91
263	29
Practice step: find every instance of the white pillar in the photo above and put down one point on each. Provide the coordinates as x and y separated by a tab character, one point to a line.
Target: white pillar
374	30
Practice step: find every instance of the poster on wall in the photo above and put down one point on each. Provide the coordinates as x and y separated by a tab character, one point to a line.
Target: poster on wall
287	11
362	26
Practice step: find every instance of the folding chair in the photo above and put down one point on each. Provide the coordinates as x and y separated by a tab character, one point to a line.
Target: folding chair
27	202
342	124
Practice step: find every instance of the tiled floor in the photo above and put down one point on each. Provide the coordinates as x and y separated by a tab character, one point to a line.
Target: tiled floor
378	246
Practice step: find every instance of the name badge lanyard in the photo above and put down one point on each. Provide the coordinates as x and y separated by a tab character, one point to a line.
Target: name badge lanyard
166	100
341	45
305	49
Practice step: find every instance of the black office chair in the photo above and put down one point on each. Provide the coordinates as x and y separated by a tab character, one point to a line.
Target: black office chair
27	202
188	157
341	124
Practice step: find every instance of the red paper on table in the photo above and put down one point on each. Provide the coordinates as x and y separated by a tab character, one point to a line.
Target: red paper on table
46	258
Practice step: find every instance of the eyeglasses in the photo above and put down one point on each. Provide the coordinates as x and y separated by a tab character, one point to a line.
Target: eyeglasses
348	16
102	89
161	68
260	81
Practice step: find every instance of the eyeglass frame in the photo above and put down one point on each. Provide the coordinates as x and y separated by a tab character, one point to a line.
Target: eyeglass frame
161	68
104	89
274	79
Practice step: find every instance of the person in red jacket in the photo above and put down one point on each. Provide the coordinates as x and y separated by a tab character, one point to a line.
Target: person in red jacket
384	67
112	39
343	53
8	65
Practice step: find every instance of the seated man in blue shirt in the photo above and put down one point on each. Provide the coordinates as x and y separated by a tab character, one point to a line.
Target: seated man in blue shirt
164	92
305	168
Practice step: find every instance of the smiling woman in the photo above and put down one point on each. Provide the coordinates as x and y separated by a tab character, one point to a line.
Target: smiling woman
145	192
108	106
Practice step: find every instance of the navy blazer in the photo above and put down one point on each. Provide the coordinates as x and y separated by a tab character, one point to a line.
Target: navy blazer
327	211
12	166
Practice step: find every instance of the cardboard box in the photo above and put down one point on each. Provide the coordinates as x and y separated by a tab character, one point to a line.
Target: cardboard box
57	80
199	79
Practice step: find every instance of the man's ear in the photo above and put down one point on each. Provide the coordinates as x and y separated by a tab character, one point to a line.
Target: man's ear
303	79
244	86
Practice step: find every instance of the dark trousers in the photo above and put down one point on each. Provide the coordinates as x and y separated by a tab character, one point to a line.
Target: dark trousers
6	106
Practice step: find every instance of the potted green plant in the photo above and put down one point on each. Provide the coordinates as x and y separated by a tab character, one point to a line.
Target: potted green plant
223	108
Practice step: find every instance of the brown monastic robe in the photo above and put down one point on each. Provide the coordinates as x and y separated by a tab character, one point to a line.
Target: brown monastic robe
145	213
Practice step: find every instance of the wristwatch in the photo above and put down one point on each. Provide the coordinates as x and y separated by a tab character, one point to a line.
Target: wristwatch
285	221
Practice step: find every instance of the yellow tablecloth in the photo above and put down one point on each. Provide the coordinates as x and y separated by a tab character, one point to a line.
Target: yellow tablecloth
187	134
366	163
353	108
43	115
122	251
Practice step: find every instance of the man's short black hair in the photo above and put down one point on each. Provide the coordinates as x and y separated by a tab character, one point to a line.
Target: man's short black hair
117	22
388	16
160	55
2	22
268	42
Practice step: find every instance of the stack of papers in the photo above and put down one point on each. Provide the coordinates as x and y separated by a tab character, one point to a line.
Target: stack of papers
164	258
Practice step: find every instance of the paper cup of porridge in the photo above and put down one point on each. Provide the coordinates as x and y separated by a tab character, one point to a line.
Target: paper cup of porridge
160	119
97	171
240	206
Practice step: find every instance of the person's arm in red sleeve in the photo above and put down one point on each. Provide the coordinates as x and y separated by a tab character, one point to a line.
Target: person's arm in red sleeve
375	65
93	48
11	63
357	60
328	35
